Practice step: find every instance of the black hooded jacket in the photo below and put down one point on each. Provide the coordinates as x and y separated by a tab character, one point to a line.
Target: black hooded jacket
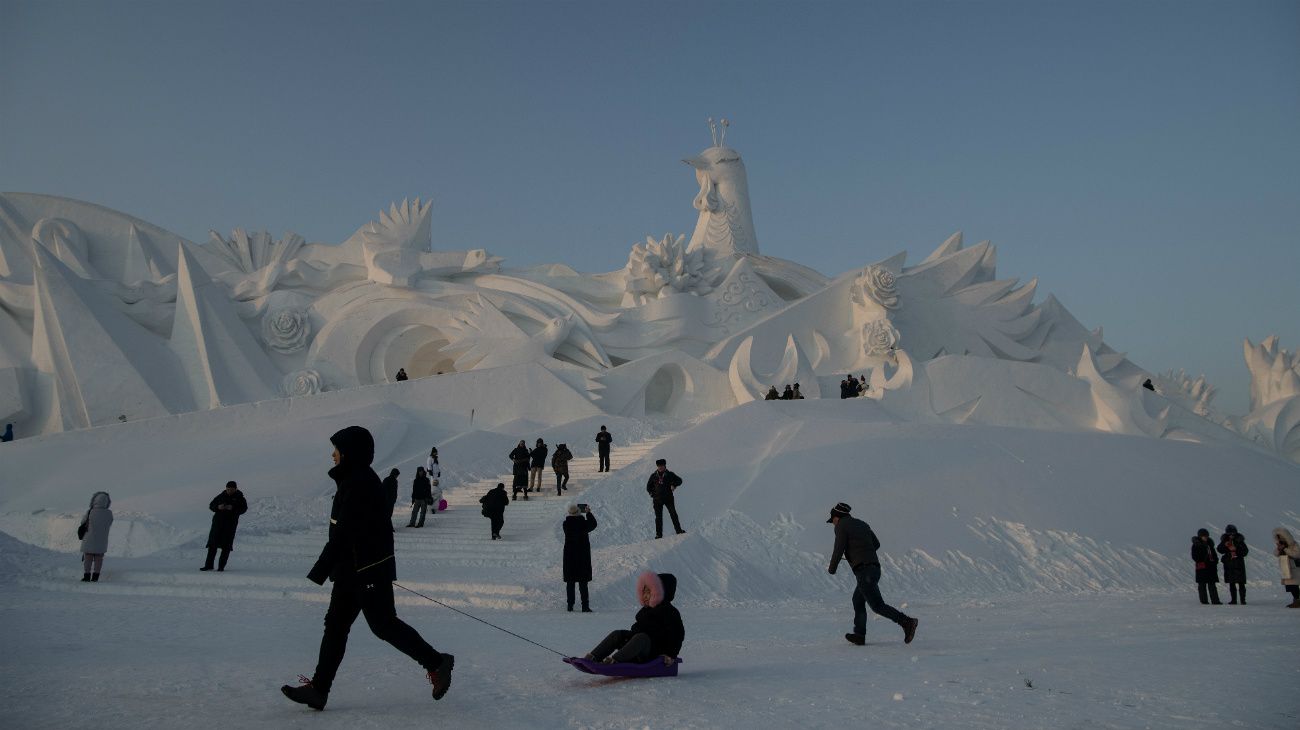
662	623
360	542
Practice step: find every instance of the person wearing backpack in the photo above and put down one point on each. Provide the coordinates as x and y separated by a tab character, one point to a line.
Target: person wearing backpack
494	508
856	543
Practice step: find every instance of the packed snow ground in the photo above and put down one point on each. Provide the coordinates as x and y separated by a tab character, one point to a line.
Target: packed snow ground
1032	557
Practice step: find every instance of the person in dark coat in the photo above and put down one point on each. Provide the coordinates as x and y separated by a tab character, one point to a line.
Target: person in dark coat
226	509
494	508
421	495
660	486
358	557
603	441
1207	567
536	465
519	464
577	553
390	490
844	388
788	393
796	395
560	463
401	375
772	394
657	630
856	544
8	435
1232	546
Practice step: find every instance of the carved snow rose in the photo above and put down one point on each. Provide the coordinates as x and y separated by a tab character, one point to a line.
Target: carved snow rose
878	285
286	329
879	337
302	382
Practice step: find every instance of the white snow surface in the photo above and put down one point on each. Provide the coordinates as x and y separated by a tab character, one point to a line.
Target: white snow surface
1050	571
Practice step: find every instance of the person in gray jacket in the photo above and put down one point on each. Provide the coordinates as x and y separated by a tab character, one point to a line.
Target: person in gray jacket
857	544
94	535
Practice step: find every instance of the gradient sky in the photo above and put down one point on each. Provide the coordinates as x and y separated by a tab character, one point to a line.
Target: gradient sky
1141	158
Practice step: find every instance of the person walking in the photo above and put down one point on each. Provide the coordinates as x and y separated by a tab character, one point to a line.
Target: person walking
1288	561
560	463
1232	546
390	491
494	508
856	544
519	463
94	535
226	508
1207	567
660	486
577	552
433	470
536	465
358	557
8	435
421	493
603	441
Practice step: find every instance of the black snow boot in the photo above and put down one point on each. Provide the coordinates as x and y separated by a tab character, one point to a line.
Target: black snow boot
909	629
85	577
306	694
94	577
856	639
440	678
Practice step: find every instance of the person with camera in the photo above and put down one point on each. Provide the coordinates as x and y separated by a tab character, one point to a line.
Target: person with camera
1207	567
1232	546
856	543
577	552
660	486
226	509
1288	561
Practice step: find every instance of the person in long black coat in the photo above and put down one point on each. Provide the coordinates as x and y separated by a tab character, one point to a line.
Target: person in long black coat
358	557
577	553
1232	546
494	508
421	496
390	490
1207	567
519	459
226	509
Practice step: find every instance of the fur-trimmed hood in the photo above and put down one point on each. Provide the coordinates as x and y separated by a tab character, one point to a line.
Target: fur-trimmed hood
1285	534
100	500
663	586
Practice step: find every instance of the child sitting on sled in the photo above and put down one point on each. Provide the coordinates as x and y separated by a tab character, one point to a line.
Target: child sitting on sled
657	631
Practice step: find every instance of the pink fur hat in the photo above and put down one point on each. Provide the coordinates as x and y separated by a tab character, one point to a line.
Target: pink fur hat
656	588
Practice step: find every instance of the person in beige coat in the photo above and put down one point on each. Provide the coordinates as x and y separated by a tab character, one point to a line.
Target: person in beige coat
1288	560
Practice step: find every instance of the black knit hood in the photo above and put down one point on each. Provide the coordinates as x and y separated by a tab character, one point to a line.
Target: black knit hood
356	445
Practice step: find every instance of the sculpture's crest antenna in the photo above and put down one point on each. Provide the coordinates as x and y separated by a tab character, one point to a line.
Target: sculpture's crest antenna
713	130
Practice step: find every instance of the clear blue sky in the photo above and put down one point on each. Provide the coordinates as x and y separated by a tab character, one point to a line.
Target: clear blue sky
1141	158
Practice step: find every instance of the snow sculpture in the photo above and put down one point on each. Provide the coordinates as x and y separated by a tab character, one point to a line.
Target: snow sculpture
879	338
302	382
725	224
258	260
1195	395
393	244
484	337
876	284
286	329
746	385
655	268
1274	373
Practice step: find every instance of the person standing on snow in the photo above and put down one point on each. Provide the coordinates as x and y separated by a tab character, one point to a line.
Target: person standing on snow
433	470
660	486
421	493
1288	561
390	490
772	394
656	631
94	535
603	441
1207	567
577	553
8	435
519	461
358	557
226	509
1232	546
494	508
536	465
560	463
857	544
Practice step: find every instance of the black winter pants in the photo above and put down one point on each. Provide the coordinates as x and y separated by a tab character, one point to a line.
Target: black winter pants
602	454
497	522
561	481
672	512
350	598
1237	588
868	594
626	647
1212	589
212	553
582	588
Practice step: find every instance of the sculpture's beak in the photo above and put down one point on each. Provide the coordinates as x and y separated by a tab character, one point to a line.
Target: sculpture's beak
696	162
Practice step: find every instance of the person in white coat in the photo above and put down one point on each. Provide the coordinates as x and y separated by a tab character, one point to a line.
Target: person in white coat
1288	560
94	535
434	472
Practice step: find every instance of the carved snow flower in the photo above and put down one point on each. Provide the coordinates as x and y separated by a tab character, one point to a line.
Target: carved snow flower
286	329
302	382
879	337
878	285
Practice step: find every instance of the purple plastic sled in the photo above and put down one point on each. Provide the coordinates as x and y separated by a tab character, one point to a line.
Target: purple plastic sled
653	668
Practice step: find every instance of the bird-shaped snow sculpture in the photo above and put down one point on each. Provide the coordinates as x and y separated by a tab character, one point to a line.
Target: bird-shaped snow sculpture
725	225
483	337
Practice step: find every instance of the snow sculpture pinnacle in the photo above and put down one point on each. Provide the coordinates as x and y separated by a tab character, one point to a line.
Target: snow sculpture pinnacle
725	224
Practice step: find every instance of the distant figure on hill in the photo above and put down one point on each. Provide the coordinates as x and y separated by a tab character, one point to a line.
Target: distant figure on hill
1232	546
519	465
788	393
797	395
1149	385
8	435
390	490
656	631
772	394
846	390
226	508
94	535
560	463
536	465
401	375
603	441
863	385
494	508
856	543
358	556
1207	567
421	494
660	486
433	470
577	552
1288	561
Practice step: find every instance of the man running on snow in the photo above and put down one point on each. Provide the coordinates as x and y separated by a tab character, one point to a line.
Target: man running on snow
856	543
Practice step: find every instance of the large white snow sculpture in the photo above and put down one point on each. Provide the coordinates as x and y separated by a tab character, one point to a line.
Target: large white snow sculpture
103	316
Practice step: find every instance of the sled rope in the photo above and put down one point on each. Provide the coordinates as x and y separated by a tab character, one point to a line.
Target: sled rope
476	618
